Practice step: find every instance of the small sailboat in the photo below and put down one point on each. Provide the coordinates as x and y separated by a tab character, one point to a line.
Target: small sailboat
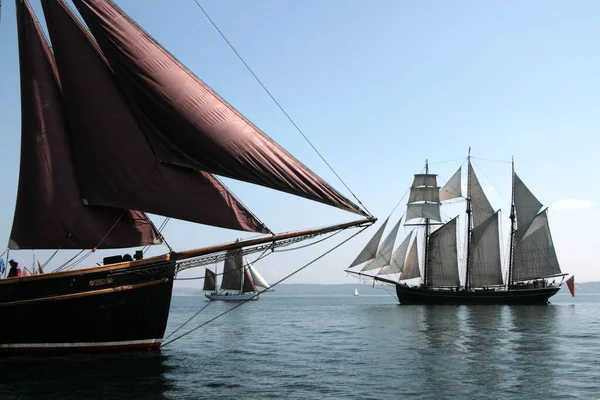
240	280
355	291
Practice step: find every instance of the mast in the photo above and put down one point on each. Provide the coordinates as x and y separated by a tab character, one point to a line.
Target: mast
469	216
426	240
512	228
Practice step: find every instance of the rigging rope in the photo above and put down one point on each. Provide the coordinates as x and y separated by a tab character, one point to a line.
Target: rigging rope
279	105
262	291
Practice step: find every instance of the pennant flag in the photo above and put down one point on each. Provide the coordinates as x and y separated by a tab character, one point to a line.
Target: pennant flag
571	285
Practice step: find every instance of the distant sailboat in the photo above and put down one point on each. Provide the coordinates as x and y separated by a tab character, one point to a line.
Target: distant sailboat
240	281
532	260
355	291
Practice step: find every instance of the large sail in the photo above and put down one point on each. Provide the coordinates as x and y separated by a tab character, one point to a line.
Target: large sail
396	265
527	207
424	201
411	266
49	213
210	280
534	253
248	282
116	164
370	250
443	258
453	188
257	278
203	131
384	253
233	271
486	266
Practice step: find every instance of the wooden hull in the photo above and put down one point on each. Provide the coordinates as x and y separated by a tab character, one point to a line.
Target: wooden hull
417	295
93	310
231	297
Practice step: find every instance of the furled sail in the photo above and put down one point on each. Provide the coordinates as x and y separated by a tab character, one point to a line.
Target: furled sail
257	278
527	207
210	280
202	130
443	258
49	213
534	253
411	266
424	201
116	164
396	265
486	266
370	250
233	271
452	189
384	252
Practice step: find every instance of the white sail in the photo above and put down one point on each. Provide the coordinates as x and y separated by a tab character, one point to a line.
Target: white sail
411	266
424	180
486	266
426	193
452	189
534	253
397	263
443	258
370	250
259	281
526	207
423	210
384	253
480	205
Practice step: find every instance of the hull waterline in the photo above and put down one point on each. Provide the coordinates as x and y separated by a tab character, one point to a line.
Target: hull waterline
231	297
94	310
417	295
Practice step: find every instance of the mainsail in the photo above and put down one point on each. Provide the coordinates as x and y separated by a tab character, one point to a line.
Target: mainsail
443	258
485	266
233	271
201	129
49	213
210	280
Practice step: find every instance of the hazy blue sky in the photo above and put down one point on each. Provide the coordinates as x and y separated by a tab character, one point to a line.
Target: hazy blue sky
379	86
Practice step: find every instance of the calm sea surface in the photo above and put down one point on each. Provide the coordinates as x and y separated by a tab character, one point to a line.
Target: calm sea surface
341	347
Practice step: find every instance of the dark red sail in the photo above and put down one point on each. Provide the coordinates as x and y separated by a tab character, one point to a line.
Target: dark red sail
115	163
195	120
49	213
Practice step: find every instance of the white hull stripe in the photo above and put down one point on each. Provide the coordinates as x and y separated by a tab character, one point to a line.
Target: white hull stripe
84	344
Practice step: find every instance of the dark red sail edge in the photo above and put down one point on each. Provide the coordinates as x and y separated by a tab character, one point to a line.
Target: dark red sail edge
115	163
49	213
199	126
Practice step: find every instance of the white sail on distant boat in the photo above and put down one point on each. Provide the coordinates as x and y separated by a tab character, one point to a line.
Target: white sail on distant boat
240	281
355	291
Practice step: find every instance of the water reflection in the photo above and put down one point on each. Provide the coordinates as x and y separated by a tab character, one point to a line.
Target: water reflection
85	376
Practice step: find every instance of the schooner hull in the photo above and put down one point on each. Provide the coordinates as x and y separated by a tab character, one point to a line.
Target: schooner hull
101	309
231	297
417	295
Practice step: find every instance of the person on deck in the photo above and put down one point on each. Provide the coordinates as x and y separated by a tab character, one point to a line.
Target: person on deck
15	271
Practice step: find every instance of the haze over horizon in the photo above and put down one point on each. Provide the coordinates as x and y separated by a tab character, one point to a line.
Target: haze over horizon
378	88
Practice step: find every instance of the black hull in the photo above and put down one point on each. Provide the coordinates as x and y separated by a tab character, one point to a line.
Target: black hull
98	309
417	295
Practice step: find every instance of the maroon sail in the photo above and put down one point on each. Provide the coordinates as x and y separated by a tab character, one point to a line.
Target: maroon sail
248	283
49	213
116	164
195	120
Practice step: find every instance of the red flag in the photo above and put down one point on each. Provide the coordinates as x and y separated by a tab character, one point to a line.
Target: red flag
571	285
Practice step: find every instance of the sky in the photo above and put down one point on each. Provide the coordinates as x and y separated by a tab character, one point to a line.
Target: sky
379	87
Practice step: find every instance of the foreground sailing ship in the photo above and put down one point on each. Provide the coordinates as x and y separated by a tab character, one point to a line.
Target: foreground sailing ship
113	126
533	265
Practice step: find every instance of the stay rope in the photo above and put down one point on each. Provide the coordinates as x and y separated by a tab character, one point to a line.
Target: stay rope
258	293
